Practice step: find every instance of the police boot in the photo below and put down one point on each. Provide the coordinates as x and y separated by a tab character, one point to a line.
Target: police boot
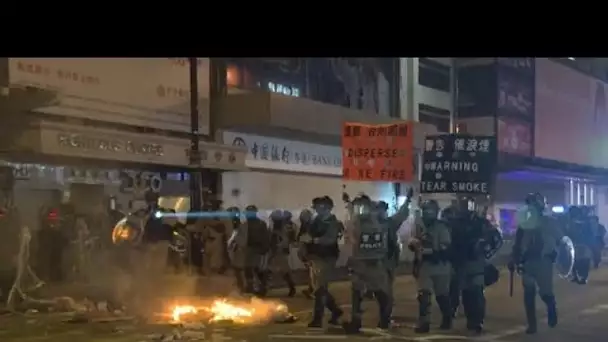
385	309
290	284
248	272
354	325
240	280
551	310
446	312
454	297
318	309
530	306
424	305
263	279
477	309
336	312
584	271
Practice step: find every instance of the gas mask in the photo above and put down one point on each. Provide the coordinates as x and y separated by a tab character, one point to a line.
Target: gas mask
430	212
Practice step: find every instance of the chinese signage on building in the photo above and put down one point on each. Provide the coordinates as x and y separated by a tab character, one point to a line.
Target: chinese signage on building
81	141
287	155
455	163
147	92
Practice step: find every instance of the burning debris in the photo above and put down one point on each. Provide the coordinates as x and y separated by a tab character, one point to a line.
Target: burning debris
238	311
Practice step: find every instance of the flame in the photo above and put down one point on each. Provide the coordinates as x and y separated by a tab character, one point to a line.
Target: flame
222	310
236	311
182	310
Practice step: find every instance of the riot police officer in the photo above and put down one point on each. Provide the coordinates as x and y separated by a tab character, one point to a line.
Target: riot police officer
534	252
322	253
600	234
393	224
253	238
281	238
431	243
583	237
305	219
474	240
369	237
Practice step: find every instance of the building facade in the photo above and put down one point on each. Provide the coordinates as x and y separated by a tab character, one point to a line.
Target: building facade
102	125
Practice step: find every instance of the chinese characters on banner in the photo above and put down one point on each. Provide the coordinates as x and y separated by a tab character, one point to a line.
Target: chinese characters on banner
378	152
457	163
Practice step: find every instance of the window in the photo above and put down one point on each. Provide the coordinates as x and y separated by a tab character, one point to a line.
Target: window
434	116
433	75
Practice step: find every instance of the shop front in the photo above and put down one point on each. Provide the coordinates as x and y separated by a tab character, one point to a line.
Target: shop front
87	166
288	174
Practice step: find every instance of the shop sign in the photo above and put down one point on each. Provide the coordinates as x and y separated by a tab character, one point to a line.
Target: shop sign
287	155
85	142
146	92
139	182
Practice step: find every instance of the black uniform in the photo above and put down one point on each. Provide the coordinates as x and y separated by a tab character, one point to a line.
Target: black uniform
468	260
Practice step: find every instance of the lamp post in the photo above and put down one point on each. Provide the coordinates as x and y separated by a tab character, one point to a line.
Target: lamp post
195	158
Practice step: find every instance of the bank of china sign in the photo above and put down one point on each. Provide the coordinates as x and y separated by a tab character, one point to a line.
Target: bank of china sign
287	155
462	164
146	92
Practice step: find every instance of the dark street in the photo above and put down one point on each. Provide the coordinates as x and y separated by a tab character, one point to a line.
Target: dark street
581	311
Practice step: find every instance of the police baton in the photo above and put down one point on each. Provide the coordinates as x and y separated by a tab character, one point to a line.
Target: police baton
511	276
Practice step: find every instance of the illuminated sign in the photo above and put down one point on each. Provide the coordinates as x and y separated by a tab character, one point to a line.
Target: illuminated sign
283	89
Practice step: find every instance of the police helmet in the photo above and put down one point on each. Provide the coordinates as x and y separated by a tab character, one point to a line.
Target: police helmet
287	215
448	212
324	201
276	215
305	215
382	205
430	208
233	212
536	199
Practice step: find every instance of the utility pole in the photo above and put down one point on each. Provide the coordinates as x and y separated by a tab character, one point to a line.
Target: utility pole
455	96
195	157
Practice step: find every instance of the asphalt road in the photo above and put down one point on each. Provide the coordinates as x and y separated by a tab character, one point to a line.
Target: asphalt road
583	310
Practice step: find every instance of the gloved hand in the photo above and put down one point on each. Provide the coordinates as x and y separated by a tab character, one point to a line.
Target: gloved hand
306	238
515	267
511	266
414	245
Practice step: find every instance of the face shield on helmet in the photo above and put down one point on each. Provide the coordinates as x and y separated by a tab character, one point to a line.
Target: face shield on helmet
382	208
537	201
276	215
430	210
323	206
363	206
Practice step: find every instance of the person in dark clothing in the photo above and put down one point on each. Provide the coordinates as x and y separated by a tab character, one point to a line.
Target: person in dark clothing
600	233
305	223
580	231
52	243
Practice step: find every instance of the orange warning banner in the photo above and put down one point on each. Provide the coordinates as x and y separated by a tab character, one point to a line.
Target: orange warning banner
378	152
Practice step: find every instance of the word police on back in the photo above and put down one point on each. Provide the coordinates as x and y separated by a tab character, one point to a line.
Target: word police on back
454	163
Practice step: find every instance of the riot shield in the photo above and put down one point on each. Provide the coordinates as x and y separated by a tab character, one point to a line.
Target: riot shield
564	260
128	230
493	242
